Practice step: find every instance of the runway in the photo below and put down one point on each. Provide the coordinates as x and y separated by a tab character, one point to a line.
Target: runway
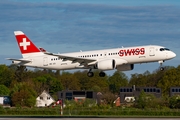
89	118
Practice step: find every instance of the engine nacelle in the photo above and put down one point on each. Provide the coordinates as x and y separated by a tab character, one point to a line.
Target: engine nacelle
108	64
125	67
16	62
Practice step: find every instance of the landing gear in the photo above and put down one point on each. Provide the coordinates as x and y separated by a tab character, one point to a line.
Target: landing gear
161	68
102	74
90	73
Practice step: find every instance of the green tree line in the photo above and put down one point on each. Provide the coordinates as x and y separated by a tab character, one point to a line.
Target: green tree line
24	85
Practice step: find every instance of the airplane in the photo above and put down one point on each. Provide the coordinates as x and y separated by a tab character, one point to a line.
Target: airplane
122	59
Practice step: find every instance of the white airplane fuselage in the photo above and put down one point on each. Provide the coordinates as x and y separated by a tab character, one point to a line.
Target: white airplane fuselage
133	55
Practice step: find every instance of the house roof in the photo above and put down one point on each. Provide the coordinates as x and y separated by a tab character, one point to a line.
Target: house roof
45	92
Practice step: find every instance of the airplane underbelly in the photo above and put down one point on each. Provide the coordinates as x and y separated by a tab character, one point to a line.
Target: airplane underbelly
137	59
63	66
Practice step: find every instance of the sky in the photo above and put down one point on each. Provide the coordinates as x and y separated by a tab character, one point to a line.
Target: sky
62	26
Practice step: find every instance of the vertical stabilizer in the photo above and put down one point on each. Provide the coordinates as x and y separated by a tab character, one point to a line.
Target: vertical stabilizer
26	46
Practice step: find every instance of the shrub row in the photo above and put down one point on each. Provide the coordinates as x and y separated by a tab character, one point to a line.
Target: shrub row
29	111
131	113
116	112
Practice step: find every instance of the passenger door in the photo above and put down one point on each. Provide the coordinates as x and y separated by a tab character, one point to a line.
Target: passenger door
45	61
151	51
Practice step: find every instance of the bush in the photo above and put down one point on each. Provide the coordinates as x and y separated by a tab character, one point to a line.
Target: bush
145	101
174	102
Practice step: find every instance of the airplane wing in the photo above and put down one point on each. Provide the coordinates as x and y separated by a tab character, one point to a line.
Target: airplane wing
74	59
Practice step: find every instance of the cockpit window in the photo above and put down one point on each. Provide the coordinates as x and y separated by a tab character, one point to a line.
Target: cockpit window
161	49
167	49
164	49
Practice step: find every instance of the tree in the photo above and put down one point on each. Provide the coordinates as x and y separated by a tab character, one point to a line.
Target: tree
21	73
109	98
98	82
47	82
145	100
141	100
6	75
117	80
55	86
69	81
23	94
96	88
23	98
4	90
138	80
170	78
95	83
83	79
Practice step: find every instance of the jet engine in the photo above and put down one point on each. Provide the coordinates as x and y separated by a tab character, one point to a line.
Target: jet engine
108	64
16	62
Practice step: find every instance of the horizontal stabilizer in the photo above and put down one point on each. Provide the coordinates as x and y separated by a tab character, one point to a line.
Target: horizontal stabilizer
20	60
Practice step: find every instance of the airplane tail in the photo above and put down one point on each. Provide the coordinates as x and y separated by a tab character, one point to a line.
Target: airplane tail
26	46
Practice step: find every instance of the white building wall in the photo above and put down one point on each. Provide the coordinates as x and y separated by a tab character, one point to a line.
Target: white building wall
44	100
1	100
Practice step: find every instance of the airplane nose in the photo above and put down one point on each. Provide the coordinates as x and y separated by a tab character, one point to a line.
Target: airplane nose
173	55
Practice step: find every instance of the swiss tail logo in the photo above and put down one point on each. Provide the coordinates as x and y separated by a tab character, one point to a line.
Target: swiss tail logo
25	44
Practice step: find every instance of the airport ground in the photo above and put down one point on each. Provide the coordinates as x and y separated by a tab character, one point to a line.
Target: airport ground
42	118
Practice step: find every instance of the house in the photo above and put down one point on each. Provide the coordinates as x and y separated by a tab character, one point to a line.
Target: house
79	99
128	94
76	95
174	91
117	102
5	101
44	99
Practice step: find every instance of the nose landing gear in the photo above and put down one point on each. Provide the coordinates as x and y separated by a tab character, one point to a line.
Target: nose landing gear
161	66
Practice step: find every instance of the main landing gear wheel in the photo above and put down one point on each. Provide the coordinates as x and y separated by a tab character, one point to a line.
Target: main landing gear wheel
102	74
90	74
